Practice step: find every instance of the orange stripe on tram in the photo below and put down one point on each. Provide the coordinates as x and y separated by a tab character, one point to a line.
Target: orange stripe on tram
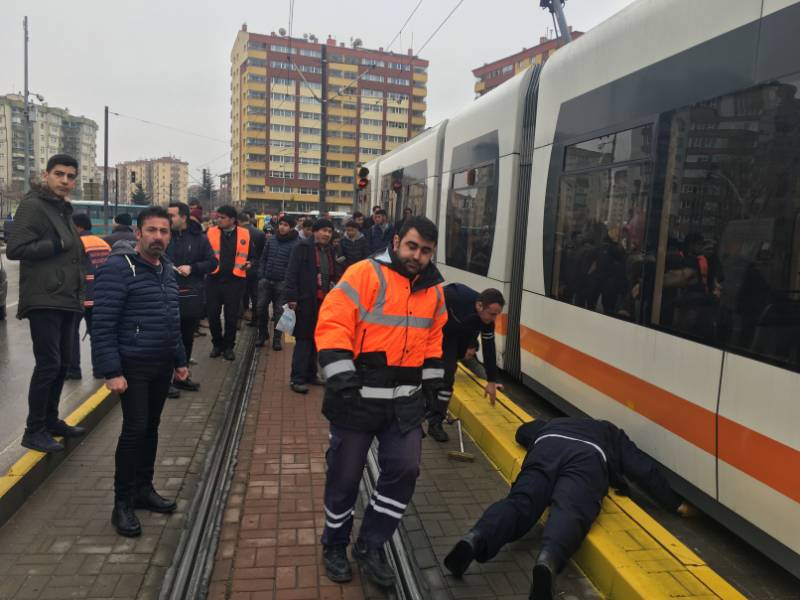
753	453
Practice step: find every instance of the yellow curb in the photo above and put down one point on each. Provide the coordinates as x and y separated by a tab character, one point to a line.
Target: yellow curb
31	458
627	555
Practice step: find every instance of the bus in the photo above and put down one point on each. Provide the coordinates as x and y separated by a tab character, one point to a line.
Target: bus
94	209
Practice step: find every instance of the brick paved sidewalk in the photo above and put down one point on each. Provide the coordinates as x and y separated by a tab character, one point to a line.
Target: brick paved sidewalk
61	543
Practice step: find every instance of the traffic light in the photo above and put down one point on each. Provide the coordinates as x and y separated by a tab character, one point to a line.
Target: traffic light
363	180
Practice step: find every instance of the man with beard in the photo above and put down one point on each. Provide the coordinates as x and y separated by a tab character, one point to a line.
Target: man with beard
380	347
136	342
272	276
50	295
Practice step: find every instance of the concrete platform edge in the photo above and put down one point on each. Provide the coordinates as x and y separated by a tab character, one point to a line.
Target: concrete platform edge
623	538
33	468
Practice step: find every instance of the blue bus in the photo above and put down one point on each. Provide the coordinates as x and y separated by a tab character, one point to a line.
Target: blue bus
94	209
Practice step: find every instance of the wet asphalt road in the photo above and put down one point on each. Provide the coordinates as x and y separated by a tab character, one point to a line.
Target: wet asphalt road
16	366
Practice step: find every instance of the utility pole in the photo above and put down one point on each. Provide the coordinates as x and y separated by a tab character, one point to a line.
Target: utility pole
27	114
105	170
323	153
116	191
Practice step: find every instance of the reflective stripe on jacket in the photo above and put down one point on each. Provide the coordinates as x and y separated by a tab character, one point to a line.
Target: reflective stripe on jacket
241	252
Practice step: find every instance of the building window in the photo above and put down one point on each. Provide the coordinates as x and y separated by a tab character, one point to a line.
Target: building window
256	78
471	215
371	93
277	127
372	107
372	122
280	81
310	53
256	173
255	188
280	112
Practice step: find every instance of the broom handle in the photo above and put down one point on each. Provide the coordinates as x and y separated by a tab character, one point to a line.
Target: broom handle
460	436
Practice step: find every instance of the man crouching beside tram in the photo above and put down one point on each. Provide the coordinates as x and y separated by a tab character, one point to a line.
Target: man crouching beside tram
136	342
569	465
379	336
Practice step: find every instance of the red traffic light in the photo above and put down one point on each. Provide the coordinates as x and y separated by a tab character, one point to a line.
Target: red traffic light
362	183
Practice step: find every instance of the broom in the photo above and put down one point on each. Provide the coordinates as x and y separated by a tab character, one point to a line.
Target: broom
459	454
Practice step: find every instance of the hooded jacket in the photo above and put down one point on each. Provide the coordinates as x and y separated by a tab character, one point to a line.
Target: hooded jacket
191	247
275	256
622	457
51	253
135	313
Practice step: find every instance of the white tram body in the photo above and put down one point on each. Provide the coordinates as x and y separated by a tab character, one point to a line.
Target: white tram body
582	189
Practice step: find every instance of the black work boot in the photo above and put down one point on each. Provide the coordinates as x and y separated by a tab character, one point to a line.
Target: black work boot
261	340
374	564
544	572
151	500
337	567
464	552
125	520
41	441
437	432
215	352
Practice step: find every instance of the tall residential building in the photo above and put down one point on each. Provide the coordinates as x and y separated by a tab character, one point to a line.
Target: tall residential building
55	131
492	74
287	146
164	179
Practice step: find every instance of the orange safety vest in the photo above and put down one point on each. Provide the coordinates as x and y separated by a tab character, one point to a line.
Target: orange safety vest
374	310
96	250
242	249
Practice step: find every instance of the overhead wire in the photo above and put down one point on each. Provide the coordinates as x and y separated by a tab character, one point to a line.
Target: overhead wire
179	130
435	31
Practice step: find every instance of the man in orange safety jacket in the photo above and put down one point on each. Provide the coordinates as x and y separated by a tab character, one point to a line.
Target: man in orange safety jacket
379	337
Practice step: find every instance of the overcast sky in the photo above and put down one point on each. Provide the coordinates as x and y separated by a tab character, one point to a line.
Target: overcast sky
168	61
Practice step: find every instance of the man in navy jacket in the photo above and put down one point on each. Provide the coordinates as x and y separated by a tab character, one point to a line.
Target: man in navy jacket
136	342
569	466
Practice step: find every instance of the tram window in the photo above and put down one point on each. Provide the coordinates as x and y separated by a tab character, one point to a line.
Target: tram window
471	215
728	262
623	146
599	262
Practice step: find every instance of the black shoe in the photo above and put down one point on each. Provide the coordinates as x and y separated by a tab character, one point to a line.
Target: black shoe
125	520
277	346
151	500
188	385
73	375
41	441
67	431
464	552
199	333
544	572
228	355
373	564
337	567
215	352
260	341
173	392
437	432
299	388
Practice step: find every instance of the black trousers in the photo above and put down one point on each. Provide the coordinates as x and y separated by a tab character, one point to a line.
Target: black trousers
304	361
250	299
52	332
142	403
566	475
75	361
224	294
451	347
398	458
269	292
188	327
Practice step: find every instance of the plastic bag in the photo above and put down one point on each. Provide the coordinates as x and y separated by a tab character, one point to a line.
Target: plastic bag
287	320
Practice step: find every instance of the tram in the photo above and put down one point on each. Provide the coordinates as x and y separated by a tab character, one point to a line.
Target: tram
95	210
637	200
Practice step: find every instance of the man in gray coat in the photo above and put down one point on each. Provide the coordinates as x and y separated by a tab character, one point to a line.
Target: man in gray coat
50	295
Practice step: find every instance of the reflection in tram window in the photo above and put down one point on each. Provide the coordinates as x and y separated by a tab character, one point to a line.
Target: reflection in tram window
471	213
728	264
600	263
404	189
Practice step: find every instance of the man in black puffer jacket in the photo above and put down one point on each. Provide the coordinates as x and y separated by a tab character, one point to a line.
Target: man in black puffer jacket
354	245
193	258
272	278
50	295
136	342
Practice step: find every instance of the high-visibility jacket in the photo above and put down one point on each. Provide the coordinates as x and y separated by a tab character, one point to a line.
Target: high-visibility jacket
379	338
240	254
96	251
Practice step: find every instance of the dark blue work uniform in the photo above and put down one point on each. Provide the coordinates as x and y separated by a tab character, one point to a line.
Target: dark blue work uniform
462	328
569	466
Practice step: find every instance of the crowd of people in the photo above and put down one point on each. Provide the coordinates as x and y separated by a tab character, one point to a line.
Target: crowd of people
374	323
